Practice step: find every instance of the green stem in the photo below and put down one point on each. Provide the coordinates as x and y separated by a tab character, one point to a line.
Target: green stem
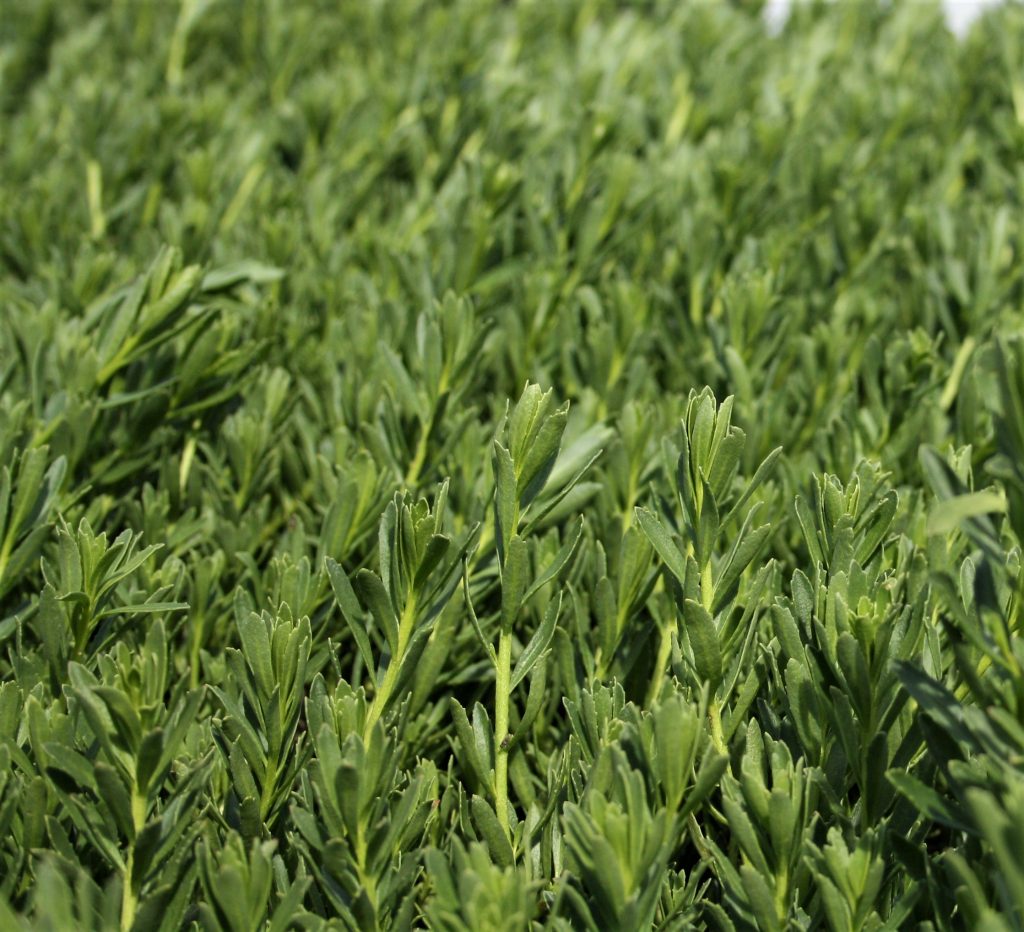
412	474
717	735
196	647
179	38
129	901
5	552
707	586
82	624
366	879
502	688
94	198
782	894
660	663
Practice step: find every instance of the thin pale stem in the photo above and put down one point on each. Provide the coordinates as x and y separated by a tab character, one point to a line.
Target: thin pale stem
707	587
412	475
660	664
129	901
715	719
502	688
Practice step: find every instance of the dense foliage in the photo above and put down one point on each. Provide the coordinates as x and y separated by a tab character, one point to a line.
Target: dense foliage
472	465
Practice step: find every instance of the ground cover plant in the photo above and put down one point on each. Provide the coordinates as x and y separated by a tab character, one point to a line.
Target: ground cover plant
479	465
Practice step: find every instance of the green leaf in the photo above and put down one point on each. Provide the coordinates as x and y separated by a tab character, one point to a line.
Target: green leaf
535	700
703	637
761	474
147	763
810	533
252	629
477	629
506	499
952	512
374	595
63	758
878	527
246	270
709	776
538	645
747	548
707	526
927	801
114	793
662	541
759	895
351	612
561	559
467	743
486	823
513	580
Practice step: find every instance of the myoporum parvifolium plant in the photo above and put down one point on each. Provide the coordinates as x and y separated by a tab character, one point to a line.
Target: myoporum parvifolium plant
510	466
